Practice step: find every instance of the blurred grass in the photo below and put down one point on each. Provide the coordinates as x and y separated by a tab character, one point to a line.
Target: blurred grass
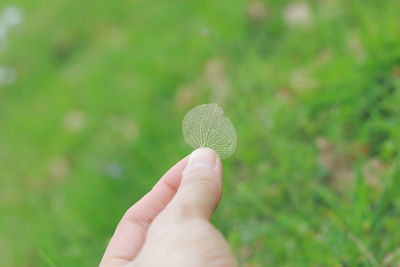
93	120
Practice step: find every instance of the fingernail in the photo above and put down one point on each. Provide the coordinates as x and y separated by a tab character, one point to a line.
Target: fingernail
202	157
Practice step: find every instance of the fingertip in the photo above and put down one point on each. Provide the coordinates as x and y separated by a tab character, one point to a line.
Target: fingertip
204	157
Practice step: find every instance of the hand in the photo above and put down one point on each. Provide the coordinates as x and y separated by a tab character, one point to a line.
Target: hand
170	225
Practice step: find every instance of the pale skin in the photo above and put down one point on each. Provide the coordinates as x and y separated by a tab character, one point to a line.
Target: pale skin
170	225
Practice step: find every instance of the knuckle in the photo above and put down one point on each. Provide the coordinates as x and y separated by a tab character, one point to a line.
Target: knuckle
201	177
186	210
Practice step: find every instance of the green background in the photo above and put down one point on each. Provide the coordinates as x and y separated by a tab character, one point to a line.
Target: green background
93	120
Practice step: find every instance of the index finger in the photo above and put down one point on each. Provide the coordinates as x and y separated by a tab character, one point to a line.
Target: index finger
131	231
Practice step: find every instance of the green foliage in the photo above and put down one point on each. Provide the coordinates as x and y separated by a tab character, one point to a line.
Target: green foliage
94	119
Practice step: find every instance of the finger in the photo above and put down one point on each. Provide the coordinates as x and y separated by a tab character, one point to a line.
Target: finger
131	230
200	188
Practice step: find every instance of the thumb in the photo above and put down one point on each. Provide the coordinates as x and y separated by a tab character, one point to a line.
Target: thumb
200	189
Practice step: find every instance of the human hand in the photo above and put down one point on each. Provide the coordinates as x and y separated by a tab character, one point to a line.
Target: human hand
170	225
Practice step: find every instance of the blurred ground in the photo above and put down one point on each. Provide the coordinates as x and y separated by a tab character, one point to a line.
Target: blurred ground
92	94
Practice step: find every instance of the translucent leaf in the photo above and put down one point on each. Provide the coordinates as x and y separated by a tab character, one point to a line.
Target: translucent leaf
206	126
